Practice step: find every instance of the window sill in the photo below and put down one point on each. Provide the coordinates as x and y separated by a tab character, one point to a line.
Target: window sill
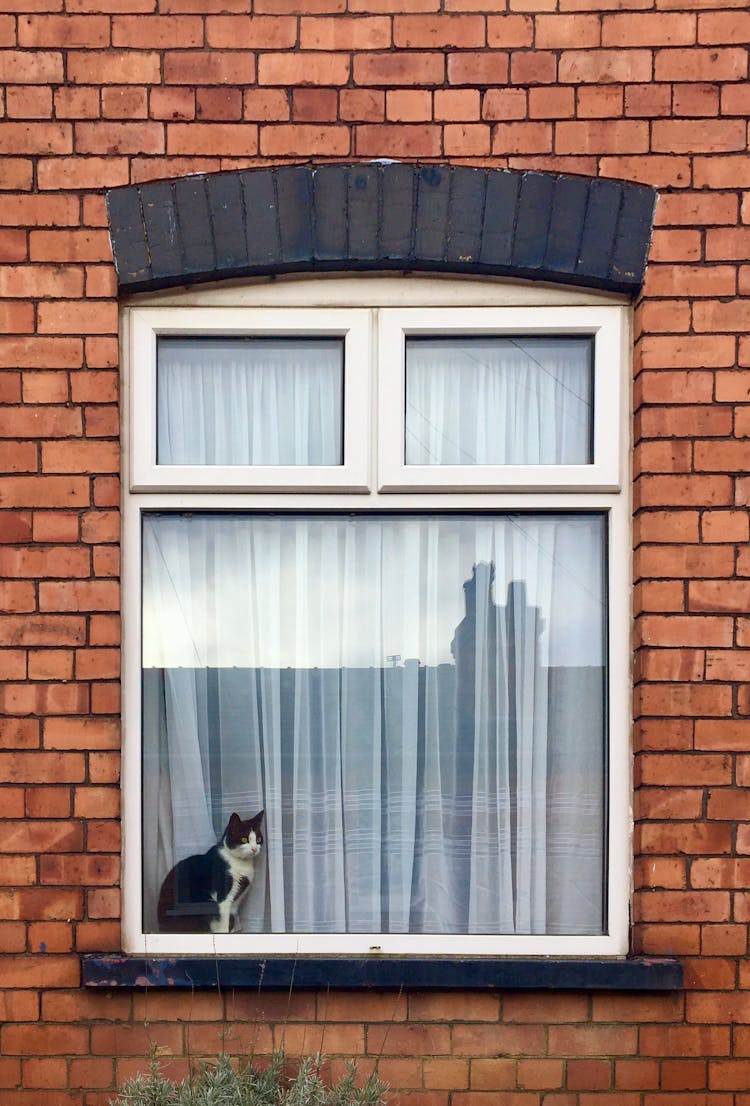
380	973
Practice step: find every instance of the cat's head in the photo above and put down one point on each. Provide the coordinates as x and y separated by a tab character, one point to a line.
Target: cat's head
243	836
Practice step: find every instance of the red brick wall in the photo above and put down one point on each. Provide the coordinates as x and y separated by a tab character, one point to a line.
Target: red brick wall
105	92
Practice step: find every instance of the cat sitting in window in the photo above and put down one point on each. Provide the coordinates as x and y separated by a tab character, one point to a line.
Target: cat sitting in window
202	893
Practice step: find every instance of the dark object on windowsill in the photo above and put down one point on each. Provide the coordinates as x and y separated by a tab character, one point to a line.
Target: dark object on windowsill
305	973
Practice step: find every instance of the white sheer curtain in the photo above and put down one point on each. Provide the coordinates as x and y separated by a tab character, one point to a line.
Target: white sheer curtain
250	401
498	401
417	702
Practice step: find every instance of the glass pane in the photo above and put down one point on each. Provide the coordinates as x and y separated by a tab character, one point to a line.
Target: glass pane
250	401
499	401
416	702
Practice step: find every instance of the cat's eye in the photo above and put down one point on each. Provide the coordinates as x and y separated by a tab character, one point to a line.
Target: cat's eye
244	840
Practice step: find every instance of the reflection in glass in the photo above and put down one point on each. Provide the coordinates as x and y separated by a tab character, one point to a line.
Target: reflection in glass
416	701
499	401
250	401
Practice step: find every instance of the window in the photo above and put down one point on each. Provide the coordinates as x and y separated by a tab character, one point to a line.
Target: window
382	558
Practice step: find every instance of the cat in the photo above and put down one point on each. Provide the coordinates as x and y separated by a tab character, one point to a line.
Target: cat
202	893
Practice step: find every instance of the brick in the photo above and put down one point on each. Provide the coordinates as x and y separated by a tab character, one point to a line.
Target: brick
128	67
361	105
19	733
724	940
400	140
659	170
44	698
466	140
121	102
683	700
219	104
41	767
662	29
443	1074
702	491
698	64
297	69
47	802
468	68
686	770
389	70
172	103
710	136
81	733
556	32
507	103
68	245
593	1040
39	67
42	630
684	561
436	32
426	1007
410	1040
589	1075
599	103
146	32
408	106
517	138
91	1072
725	804
63	31
666	940
724	27
675	838
492	1075
45	1040
18	456
51	937
648	100
346	33
696	100
493	1040
667	803
305	139
80	870
605	66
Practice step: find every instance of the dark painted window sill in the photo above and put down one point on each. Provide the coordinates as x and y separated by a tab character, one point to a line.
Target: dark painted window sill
381	973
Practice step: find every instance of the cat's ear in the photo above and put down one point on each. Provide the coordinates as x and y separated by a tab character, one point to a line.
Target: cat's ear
234	822
258	818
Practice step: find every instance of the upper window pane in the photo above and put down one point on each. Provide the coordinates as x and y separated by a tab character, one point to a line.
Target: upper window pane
508	400
250	401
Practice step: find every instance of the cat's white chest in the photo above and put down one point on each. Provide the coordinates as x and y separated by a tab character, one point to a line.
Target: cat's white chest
241	871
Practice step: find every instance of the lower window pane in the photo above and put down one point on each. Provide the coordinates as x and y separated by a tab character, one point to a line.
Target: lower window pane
417	702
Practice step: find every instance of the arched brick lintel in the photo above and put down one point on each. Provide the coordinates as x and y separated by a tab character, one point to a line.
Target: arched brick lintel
381	216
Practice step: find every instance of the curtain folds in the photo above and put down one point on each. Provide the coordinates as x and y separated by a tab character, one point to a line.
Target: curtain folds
250	401
416	700
499	401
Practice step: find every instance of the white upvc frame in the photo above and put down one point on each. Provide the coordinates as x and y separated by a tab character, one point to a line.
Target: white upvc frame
145	496
606	325
148	325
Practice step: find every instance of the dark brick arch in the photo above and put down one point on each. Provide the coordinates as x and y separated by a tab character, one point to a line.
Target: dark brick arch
381	216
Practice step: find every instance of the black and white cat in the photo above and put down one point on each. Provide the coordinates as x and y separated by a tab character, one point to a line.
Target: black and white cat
202	893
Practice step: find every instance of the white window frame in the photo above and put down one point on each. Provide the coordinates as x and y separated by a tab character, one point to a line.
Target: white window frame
147	326
603	324
381	484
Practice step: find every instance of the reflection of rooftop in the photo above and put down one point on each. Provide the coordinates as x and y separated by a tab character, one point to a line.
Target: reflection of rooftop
484	618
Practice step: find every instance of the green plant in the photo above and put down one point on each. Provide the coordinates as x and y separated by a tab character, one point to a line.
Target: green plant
220	1084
